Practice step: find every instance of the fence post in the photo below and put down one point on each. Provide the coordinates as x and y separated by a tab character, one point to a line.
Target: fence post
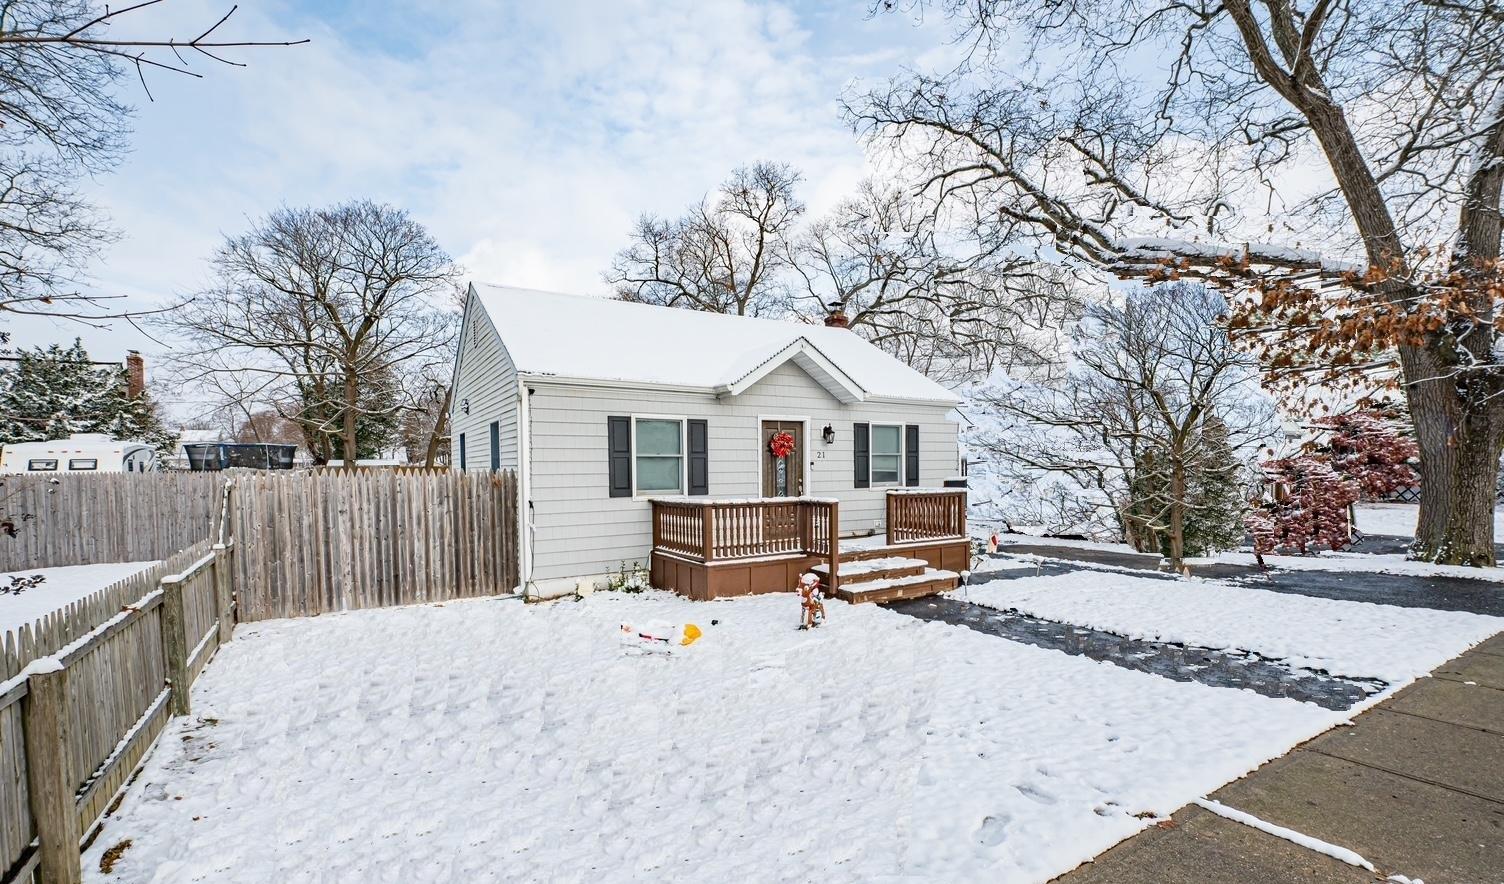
175	645
45	726
224	604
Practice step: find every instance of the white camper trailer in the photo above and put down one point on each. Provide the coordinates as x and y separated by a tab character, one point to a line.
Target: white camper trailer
79	453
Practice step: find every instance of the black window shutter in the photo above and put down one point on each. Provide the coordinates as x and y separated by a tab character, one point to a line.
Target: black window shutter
462	451
619	447
861	456
495	446
699	457
911	455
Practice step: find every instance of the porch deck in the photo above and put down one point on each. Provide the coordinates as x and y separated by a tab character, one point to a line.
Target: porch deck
708	549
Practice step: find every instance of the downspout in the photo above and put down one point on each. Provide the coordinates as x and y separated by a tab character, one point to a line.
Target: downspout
524	489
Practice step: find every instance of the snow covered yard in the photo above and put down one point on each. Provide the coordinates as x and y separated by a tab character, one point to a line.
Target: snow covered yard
488	740
62	587
1354	639
1399	519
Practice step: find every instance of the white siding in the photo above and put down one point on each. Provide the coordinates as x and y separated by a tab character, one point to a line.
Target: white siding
488	383
581	530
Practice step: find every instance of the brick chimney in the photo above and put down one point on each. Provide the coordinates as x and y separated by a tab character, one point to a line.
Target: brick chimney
135	374
836	317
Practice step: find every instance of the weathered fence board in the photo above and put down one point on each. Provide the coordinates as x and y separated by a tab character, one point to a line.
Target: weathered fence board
112	697
309	544
108	517
120	662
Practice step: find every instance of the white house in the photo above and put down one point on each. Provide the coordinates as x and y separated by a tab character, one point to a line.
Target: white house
604	407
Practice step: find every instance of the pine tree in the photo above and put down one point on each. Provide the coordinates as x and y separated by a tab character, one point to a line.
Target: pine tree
55	392
1215	495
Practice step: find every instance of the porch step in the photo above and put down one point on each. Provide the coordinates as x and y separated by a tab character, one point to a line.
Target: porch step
929	582
873	569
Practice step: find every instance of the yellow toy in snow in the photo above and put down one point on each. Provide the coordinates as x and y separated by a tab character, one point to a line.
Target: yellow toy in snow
658	635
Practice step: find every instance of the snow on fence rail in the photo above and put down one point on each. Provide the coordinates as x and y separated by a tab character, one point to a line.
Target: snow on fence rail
86	690
108	517
314	543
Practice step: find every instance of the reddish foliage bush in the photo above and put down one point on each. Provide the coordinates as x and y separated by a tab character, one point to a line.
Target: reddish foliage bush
1307	506
1366	447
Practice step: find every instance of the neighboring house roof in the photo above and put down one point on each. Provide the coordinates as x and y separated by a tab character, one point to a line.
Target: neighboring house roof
577	337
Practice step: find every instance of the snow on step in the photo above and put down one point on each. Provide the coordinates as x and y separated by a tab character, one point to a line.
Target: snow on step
868	566
930	575
932	582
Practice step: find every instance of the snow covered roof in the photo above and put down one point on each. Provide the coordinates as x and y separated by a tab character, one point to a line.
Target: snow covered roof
578	337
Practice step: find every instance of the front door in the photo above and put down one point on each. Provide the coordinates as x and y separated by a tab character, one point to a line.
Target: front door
782	476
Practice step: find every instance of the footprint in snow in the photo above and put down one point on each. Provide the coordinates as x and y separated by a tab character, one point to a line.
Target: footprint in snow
1035	794
993	831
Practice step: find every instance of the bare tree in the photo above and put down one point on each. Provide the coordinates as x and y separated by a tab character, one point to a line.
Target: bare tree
1170	136
722	256
1156	399
955	313
60	121
429	392
324	310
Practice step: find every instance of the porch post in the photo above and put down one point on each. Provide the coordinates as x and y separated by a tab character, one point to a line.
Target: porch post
835	545
707	537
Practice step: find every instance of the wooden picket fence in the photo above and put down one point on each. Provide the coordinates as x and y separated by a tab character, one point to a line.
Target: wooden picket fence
84	693
337	541
80	519
87	690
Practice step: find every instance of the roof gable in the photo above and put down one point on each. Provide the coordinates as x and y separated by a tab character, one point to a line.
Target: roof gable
814	363
596	339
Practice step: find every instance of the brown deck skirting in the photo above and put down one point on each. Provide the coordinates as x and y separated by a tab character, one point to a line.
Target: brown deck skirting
701	581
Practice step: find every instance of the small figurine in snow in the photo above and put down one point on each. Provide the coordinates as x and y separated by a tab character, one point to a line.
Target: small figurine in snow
992	543
809	600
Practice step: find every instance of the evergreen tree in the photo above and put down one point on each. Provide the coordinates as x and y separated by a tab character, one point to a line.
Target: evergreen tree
1215	498
55	392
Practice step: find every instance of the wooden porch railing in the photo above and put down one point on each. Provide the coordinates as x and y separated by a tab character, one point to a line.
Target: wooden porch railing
726	531
928	514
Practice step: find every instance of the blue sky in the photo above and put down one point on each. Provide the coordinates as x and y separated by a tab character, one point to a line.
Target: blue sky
525	135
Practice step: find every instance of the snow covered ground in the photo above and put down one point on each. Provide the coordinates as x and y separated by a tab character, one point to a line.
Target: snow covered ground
491	740
1355	639
1376	564
62	586
1398	519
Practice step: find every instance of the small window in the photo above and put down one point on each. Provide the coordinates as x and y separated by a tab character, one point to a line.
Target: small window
41	465
462	451
887	454
83	463
659	455
495	446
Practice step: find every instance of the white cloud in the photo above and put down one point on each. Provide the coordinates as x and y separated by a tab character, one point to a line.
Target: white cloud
526	137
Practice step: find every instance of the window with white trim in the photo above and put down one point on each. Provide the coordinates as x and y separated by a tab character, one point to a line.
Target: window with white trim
887	454
658	455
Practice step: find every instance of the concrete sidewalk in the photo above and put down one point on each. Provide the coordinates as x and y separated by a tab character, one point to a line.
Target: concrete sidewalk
1415	786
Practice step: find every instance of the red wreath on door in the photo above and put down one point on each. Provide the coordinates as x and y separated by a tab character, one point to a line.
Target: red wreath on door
781	444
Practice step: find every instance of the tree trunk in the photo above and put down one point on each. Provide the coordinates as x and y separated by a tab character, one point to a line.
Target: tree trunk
352	402
440	424
1177	515
1460	443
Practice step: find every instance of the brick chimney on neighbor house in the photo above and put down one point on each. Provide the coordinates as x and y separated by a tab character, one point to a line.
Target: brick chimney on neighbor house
135	374
835	317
